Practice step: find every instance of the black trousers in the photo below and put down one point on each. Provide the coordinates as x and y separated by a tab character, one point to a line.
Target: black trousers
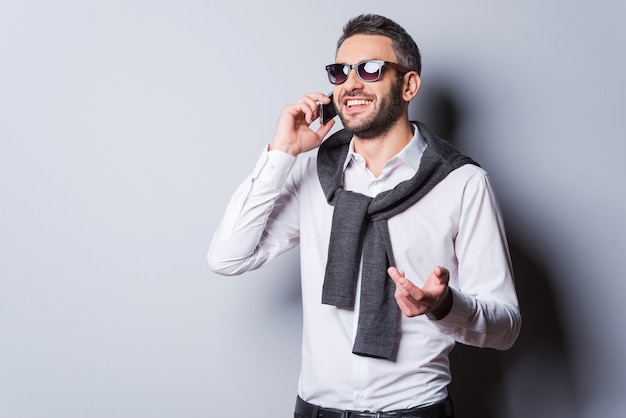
441	409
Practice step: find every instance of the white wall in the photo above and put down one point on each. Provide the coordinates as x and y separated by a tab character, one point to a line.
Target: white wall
125	126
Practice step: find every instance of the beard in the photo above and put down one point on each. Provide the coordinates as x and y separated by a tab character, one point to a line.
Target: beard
376	125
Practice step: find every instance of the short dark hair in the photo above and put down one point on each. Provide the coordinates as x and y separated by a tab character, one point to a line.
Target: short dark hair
403	45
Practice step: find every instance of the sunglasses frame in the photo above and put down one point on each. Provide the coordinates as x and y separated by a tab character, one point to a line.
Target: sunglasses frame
381	65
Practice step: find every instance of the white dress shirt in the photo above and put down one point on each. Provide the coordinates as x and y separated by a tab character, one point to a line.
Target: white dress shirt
457	225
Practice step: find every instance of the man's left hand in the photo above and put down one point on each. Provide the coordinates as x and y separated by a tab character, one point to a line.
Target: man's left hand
434	298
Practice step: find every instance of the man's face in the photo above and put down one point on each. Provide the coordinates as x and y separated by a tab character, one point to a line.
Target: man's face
368	110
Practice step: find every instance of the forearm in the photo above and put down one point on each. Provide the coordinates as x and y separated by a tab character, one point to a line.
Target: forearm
241	241
484	310
481	323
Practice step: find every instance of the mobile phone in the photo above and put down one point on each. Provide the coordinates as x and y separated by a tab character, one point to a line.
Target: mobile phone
327	111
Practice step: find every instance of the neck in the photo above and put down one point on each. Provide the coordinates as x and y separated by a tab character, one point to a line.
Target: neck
377	151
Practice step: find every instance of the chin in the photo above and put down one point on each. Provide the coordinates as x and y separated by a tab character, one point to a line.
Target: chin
355	125
367	129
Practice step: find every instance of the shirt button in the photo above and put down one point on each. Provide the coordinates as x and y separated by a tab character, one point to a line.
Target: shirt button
359	396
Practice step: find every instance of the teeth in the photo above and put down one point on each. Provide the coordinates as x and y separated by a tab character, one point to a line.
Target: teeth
358	102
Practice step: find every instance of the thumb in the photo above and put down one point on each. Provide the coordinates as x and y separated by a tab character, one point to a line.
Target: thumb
442	274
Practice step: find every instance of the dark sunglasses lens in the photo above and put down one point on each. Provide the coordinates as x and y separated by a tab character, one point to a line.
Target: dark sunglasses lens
337	73
369	70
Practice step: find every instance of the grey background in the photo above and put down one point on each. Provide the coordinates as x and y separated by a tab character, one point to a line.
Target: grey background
126	125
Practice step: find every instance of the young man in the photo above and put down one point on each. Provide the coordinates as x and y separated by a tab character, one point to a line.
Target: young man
403	250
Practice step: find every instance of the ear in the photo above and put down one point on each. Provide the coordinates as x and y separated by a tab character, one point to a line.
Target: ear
411	85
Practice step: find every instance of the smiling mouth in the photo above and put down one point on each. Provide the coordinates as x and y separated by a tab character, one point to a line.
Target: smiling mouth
351	103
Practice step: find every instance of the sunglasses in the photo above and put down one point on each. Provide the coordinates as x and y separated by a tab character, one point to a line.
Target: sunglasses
368	71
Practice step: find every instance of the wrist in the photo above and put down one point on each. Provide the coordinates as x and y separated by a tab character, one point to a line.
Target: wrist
284	147
444	308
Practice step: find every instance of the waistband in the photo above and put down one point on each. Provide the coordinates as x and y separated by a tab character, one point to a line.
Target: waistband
442	409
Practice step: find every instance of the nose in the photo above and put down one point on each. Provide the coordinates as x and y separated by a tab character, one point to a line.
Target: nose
353	82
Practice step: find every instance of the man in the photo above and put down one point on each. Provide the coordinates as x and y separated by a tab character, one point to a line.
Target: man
403	250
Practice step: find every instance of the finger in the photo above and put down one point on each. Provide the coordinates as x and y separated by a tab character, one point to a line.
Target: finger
396	275
301	110
309	111
323	130
312	101
317	98
413	291
298	111
406	291
410	304
398	278
442	274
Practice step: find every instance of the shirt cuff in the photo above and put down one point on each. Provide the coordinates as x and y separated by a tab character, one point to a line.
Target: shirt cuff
463	307
273	167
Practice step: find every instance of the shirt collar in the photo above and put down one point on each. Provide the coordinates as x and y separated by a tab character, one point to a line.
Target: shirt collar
410	155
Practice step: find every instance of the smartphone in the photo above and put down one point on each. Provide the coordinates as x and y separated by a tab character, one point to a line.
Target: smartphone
327	111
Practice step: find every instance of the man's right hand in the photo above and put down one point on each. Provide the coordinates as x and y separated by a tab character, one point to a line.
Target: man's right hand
293	133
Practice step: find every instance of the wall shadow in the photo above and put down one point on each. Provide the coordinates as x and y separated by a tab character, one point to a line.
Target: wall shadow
486	382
